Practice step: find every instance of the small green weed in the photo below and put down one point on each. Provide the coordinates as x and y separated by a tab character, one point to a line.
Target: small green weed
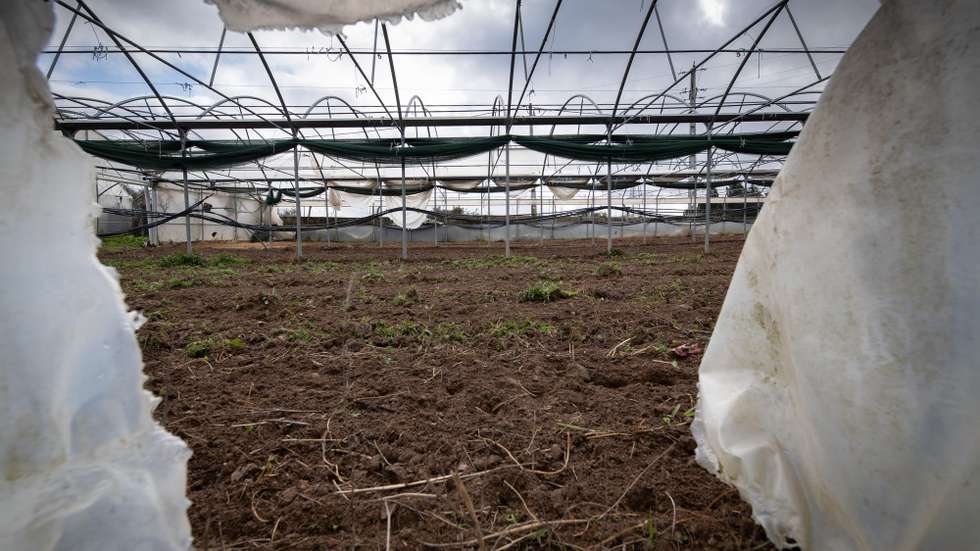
672	418
129	263
544	291
122	242
492	262
373	274
181	259
320	266
234	344
690	259
278	268
178	283
650	258
449	331
520	328
608	269
299	335
199	349
147	286
225	259
407	297
389	332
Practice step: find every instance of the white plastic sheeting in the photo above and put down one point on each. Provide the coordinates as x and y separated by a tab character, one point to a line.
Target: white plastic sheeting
462	185
839	392
242	207
565	193
340	199
335	199
328	16
412	219
84	465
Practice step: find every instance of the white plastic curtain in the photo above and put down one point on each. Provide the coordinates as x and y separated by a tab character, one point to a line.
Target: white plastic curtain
329	17
839	392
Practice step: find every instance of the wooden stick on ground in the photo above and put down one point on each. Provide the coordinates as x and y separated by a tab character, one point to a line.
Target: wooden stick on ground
470	509
388	526
404	485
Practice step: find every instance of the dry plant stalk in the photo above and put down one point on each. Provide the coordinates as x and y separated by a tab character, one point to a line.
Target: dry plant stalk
469	509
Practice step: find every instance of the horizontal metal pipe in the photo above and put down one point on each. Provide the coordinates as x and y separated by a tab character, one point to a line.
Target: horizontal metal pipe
74	125
314	50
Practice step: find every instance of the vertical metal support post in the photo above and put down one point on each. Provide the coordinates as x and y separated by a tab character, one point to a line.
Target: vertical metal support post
187	199
381	208
404	213
692	195
609	191
745	208
234	201
656	209
707	200
507	194
645	218
299	203
541	211
592	211
724	211
553	209
154	206
326	211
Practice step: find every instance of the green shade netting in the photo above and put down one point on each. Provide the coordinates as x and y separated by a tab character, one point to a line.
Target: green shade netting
635	149
499	189
384	191
425	151
165	155
701	184
162	156
304	193
274	197
599	184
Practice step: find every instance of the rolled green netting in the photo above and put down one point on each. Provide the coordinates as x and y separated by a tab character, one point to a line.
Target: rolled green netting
274	197
599	184
632	149
702	184
165	157
628	153
416	150
304	193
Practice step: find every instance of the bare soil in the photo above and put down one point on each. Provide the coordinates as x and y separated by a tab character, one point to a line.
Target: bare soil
352	400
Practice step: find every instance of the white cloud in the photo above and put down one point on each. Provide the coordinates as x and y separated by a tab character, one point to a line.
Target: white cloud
713	11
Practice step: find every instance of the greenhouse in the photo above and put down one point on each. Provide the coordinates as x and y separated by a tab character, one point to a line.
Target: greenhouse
490	274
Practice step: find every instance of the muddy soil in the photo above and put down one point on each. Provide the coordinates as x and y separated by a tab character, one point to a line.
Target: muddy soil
352	400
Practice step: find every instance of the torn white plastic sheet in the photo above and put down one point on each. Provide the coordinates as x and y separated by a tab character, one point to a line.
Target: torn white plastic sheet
839	392
563	193
339	199
85	465
329	16
413	219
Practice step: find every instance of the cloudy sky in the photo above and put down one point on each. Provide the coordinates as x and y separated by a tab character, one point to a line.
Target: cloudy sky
458	83
454	79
